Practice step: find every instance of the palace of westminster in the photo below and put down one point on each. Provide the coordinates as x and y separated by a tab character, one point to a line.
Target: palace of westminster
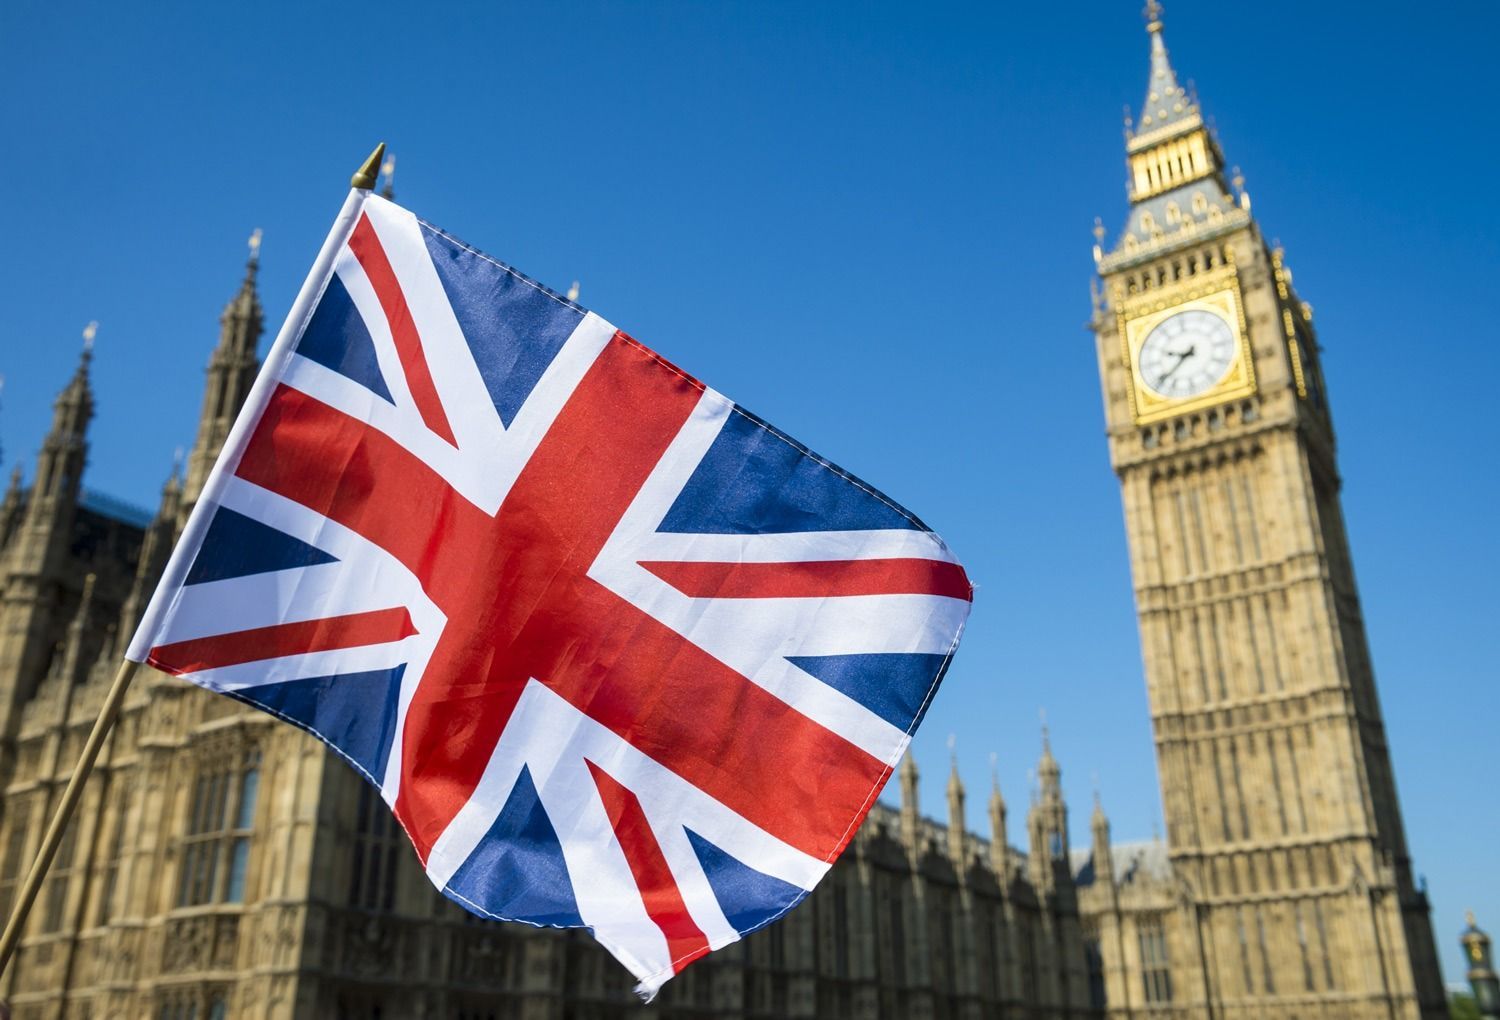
222	865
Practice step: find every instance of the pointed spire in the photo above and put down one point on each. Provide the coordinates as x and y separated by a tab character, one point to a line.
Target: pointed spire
999	841
60	464
909	779
244	308
910	812
1167	103
955	784
78	395
155	549
10	506
1047	770
1103	858
956	827
231	373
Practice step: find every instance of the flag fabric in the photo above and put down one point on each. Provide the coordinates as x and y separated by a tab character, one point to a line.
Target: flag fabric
616	652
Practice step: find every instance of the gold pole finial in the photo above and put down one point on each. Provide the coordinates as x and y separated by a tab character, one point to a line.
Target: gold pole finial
1152	14
574	291
89	332
364	177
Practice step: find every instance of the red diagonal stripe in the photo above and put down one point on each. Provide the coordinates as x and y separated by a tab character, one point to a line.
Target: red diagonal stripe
653	876
365	244
816	579
351	631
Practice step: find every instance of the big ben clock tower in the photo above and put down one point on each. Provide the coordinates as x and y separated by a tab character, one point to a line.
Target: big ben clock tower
1295	891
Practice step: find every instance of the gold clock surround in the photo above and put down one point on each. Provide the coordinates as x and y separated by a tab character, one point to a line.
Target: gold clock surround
1216	292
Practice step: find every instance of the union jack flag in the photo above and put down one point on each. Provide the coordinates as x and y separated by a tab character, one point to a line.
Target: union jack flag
616	652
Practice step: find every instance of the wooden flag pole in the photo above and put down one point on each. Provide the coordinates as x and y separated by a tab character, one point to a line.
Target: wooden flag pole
50	842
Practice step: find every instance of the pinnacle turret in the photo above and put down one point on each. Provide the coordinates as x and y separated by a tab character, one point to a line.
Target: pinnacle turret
231	373
156	547
956	832
60	463
1048	818
999	844
10	507
910	810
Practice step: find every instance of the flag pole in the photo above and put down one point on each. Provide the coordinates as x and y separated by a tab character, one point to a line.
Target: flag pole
50	842
362	181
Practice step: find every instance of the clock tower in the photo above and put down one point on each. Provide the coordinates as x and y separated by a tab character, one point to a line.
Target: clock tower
1294	887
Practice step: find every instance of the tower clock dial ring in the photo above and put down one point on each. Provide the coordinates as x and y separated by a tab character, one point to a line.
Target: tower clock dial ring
1187	354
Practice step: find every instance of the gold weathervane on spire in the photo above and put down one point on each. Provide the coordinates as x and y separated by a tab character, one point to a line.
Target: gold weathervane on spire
254	243
1152	13
89	332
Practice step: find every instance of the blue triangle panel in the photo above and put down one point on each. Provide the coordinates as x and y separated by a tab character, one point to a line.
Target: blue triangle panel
890	684
755	480
513	326
517	871
748	897
238	546
337	338
355	712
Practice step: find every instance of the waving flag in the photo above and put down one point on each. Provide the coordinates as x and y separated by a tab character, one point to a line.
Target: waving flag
617	653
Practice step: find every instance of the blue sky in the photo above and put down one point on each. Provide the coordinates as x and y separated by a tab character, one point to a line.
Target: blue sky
868	223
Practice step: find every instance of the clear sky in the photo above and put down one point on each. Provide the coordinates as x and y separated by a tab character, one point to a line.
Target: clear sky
869	223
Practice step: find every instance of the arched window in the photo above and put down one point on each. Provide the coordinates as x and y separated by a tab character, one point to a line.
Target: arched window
216	848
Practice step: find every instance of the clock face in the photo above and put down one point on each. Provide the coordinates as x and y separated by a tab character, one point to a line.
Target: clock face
1187	353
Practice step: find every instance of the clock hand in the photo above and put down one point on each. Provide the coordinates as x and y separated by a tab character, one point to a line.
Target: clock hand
1180	359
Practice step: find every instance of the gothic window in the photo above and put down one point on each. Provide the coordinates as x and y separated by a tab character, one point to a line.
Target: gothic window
190	1006
14	861
1323	943
1156	972
1265	956
1028	966
1307	971
59	877
1239	918
216	848
376	850
105	909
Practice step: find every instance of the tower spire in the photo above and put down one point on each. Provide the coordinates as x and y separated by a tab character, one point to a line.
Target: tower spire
231	372
910	812
60	466
956	829
1167	103
999	845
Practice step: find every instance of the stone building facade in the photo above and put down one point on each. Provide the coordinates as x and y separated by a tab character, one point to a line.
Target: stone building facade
222	864
1286	890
